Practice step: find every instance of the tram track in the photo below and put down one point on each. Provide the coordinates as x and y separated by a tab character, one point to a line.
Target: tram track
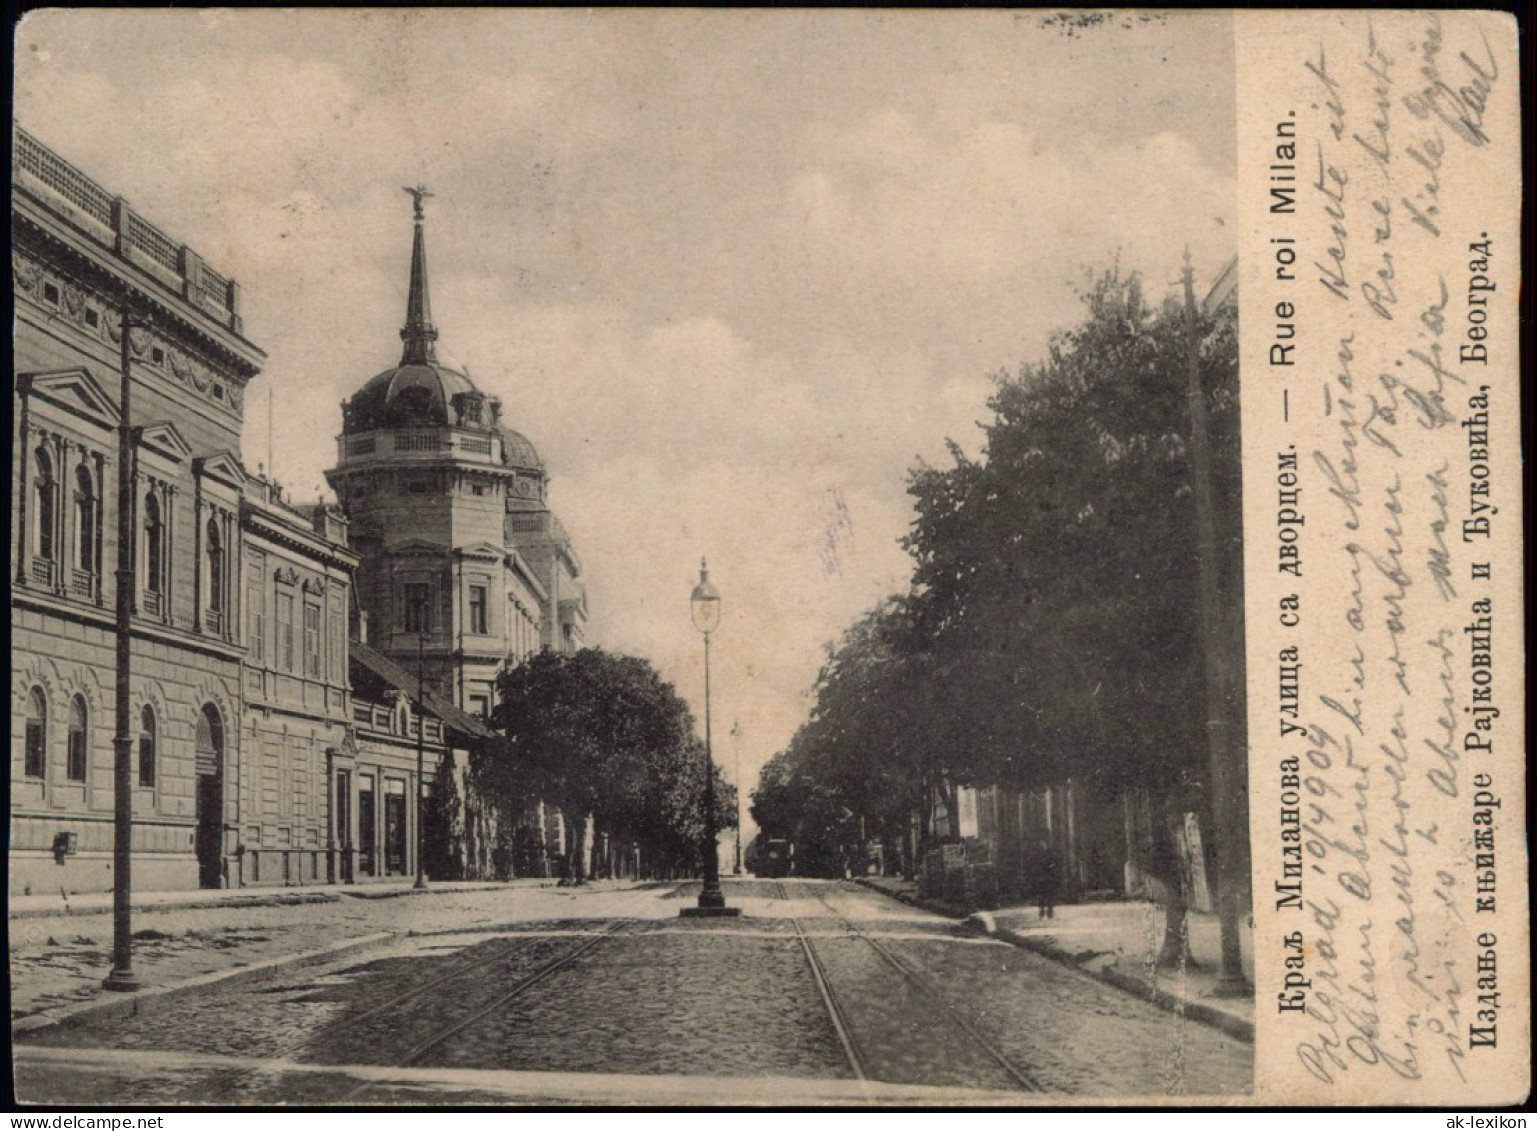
916	980
834	1011
344	1025
422	1049
506	948
528	982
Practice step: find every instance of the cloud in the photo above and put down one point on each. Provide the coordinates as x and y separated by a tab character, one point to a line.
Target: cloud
731	272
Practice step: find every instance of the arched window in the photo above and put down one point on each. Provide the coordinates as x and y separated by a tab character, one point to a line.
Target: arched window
37	734
154	550
75	763
147	746
215	568
46	516
209	747
85	520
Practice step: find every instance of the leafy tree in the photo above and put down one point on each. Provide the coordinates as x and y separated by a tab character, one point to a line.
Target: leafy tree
1056	578
602	735
866	754
442	829
1052	630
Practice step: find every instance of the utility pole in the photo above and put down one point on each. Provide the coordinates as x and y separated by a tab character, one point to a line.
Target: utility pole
122	977
1224	800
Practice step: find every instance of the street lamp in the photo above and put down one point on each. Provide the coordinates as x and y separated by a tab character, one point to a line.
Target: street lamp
705	604
121	977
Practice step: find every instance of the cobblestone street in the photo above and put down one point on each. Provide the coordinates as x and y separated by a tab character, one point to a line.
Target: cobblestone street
823	992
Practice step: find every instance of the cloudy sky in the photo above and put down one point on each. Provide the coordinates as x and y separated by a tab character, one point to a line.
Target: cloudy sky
733	273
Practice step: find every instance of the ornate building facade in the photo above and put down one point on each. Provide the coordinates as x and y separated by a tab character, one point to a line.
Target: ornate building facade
299	673
253	762
465	569
82	259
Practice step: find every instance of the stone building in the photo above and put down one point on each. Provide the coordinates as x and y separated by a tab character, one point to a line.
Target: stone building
81	258
373	774
279	652
465	569
297	580
253	763
464	566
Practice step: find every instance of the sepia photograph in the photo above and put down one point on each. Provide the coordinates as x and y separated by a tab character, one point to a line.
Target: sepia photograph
618	557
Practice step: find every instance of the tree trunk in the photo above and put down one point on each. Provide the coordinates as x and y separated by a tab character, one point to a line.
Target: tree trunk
581	845
1175	953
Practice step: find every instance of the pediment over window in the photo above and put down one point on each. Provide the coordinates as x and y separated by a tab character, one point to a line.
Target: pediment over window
224	467
75	391
482	551
417	547
163	439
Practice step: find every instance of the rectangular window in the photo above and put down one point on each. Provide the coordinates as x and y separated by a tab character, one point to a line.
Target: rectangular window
337	648
286	631
416	599
75	766
256	642
312	641
36	756
478	609
480	706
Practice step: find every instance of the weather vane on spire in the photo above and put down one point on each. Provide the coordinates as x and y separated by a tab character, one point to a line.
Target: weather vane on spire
418	194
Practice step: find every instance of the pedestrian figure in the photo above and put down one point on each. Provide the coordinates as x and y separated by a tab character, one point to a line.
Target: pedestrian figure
1048	880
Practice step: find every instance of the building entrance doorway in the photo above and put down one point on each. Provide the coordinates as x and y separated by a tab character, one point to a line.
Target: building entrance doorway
209	839
367	831
343	826
395	828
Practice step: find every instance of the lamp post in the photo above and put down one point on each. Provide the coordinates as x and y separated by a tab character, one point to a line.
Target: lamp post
1226	772
121	977
421	733
705	604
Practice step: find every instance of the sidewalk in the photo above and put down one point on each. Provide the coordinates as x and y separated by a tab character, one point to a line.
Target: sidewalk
1118	943
57	960
97	902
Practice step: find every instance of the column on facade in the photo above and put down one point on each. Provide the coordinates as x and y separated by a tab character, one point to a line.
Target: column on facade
61	511
23	507
100	512
168	554
197	559
231	561
237	590
143	484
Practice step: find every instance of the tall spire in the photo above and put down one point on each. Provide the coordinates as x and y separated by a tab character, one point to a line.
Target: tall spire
418	333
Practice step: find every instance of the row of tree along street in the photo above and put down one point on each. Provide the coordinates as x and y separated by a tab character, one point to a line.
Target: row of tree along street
600	739
1034	711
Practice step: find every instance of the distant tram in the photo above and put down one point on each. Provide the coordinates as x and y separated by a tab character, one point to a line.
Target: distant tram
774	859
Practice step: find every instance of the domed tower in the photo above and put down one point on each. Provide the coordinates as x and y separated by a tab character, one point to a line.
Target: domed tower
442	499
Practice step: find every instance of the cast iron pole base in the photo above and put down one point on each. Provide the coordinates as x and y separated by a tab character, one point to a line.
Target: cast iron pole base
1232	986
122	981
711	905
